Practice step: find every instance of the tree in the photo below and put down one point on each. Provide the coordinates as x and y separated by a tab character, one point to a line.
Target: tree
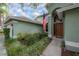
3	11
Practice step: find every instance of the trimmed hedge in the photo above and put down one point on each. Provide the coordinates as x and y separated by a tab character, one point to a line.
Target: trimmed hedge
29	39
6	33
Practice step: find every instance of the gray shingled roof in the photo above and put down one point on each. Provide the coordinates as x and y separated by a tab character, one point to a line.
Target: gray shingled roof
23	19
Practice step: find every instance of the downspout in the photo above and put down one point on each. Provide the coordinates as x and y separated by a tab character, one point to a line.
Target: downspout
12	31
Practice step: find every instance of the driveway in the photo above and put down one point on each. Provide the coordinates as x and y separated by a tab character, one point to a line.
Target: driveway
2	47
54	48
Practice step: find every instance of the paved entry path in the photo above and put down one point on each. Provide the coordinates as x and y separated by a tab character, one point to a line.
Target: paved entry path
54	48
2	48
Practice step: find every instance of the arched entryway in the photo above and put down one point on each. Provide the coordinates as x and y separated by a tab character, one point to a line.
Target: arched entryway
58	29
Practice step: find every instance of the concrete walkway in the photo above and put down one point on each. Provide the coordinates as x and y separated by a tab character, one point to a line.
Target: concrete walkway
2	48
54	48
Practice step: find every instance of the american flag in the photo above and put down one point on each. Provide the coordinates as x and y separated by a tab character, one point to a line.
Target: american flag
44	22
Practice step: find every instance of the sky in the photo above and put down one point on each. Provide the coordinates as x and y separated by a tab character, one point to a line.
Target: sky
15	9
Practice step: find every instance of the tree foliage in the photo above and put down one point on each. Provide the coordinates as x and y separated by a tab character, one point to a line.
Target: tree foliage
3	8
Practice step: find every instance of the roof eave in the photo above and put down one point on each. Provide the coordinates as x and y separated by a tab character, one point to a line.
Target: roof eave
68	8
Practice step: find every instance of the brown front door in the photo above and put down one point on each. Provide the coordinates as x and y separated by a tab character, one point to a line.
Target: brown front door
58	30
58	27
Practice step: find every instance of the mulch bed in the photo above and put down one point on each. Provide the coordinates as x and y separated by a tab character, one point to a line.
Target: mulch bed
68	53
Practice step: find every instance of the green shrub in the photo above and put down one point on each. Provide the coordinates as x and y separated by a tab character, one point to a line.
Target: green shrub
63	43
37	48
13	47
47	27
29	39
1	31
9	42
15	51
27	44
6	33
24	37
42	35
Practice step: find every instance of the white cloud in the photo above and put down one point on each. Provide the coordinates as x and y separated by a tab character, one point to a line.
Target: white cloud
36	14
27	11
